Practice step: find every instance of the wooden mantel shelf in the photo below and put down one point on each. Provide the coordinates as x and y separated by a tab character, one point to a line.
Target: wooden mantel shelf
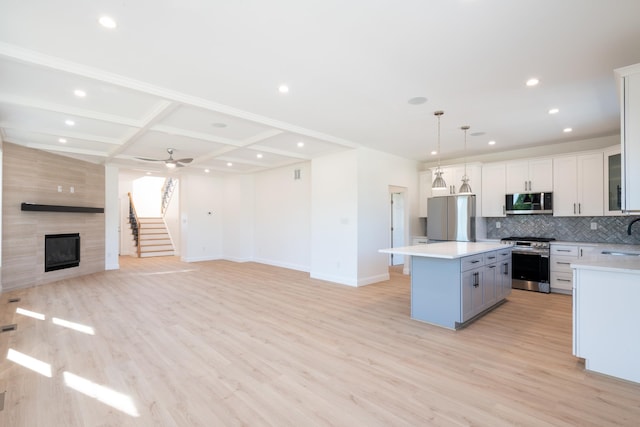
34	207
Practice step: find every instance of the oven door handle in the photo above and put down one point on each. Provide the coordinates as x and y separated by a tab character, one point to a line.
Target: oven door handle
536	253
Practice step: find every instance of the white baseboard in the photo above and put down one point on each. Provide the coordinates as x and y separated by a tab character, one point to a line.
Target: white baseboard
282	264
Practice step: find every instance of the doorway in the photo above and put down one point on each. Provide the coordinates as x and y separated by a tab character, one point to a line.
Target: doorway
397	200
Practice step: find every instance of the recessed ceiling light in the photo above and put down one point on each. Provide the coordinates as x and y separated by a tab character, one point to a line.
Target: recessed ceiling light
492	143
283	89
207	171
80	93
300	144
417	100
434	152
148	173
69	122
259	155
62	140
107	22
532	82
554	111
567	130
219	125
229	164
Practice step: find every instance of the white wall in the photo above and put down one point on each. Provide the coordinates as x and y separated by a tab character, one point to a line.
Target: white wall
376	172
201	206
334	218
147	196
111	218
0	213
238	214
282	217
172	218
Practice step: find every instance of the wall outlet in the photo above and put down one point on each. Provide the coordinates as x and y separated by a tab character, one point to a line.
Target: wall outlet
72	190
498	224
59	188
594	225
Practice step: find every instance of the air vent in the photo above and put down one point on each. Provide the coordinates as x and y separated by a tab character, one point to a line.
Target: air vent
8	328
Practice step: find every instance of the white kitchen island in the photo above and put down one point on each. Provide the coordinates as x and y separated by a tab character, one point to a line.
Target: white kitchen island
453	283
606	321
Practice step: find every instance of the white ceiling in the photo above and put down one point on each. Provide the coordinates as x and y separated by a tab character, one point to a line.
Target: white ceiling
202	77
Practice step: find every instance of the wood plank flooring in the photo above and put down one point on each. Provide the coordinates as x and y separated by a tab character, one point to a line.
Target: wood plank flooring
166	343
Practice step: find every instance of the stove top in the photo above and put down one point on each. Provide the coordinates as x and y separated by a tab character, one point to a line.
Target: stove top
527	239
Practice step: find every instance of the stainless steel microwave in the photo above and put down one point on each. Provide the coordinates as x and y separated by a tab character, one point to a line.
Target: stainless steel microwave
529	203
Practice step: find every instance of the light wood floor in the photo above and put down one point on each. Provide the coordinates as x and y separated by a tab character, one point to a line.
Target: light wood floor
226	344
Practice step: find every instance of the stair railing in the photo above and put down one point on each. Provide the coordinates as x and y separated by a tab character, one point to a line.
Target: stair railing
167	192
135	224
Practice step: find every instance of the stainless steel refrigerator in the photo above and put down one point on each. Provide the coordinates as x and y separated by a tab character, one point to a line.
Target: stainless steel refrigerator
452	218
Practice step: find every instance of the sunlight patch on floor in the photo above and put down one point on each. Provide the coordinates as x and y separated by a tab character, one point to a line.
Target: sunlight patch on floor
29	313
29	362
75	326
103	394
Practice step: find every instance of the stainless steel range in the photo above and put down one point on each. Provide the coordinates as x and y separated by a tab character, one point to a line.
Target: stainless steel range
530	260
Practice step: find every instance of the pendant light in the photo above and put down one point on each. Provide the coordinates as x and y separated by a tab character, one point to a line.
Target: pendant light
465	188
439	181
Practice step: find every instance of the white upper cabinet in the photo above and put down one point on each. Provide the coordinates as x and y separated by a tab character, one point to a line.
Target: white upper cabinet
578	185
612	181
529	176
452	175
494	189
629	83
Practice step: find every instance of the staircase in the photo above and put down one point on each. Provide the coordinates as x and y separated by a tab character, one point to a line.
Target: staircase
153	238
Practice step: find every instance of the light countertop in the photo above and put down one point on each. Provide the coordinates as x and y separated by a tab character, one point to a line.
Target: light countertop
446	250
619	264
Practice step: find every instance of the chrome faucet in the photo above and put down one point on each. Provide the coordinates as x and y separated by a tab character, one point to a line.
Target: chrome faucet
630	224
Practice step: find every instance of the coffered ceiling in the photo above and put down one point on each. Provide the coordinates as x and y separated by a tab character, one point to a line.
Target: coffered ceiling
203	77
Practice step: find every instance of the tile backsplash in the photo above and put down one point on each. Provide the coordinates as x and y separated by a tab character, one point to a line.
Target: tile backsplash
610	229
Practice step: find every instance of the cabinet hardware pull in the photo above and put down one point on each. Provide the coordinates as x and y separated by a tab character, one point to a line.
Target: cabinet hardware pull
563	250
579	208
563	263
475	262
574	208
506	268
563	280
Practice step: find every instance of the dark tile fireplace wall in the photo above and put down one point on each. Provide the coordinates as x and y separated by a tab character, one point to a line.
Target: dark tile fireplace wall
611	229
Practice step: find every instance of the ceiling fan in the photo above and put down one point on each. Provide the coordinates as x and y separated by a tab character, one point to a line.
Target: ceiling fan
171	163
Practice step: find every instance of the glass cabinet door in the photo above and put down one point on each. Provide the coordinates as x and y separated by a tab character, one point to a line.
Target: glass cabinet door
613	182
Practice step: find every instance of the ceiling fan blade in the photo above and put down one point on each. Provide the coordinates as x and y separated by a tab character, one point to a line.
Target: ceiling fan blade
179	165
149	160
188	160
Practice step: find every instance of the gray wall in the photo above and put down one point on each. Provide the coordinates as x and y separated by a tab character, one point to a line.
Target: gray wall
611	229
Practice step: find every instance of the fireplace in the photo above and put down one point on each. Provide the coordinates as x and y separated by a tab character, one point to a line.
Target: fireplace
61	251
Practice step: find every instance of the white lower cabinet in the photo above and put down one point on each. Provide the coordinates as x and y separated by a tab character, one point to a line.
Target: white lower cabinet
562	255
